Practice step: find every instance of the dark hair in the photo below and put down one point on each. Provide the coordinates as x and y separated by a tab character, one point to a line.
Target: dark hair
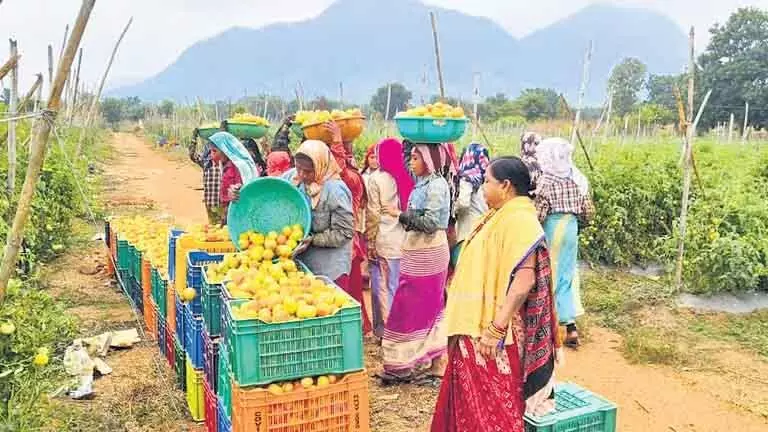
253	148
512	169
305	158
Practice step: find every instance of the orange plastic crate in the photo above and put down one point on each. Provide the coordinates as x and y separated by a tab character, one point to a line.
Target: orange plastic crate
150	318
343	406
170	312
186	243
146	282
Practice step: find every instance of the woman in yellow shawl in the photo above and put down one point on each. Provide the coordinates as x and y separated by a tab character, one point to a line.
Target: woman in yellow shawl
500	315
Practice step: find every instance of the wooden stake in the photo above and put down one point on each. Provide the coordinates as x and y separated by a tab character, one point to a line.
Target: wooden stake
97	97
341	94
582	90
77	84
607	130
745	132
28	98
266	105
50	65
9	65
13	110
475	102
389	101
730	129
687	171
38	148
64	42
437	56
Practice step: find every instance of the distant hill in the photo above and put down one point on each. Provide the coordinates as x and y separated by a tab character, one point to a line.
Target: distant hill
366	43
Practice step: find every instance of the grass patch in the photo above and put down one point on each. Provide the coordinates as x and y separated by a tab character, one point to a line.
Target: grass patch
613	297
651	345
750	331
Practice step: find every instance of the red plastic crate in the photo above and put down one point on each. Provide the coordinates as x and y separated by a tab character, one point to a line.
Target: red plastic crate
211	408
170	353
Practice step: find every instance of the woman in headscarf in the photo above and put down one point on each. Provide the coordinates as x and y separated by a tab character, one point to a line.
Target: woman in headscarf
329	248
562	199
500	318
470	204
253	149
414	341
237	168
528	144
371	163
389	186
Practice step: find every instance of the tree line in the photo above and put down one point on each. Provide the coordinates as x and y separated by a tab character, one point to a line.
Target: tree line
734	66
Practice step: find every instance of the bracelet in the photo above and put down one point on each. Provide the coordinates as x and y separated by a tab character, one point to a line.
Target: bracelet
494	332
498	329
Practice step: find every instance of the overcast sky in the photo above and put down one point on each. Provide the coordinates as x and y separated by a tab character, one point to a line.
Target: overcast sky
162	29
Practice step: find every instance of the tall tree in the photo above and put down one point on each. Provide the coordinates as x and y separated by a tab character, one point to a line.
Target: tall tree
660	89
112	110
735	68
538	103
398	102
626	81
166	108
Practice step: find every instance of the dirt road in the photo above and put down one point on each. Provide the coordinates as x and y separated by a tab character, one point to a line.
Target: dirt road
650	398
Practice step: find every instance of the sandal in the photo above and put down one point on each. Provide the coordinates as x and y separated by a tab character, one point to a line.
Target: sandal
388	379
572	340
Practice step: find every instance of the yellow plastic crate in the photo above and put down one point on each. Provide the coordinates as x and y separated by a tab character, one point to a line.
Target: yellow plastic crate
195	392
186	243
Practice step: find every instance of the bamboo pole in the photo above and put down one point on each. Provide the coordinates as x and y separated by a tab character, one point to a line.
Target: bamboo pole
97	97
38	148
9	65
389	101
745	132
77	84
13	110
63	43
607	131
433	18
582	90
50	65
730	129
687	171
31	93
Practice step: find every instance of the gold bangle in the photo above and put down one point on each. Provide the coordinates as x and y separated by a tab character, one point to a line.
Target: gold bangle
494	332
498	329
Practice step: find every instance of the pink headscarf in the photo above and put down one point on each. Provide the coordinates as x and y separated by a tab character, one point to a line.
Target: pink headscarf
390	154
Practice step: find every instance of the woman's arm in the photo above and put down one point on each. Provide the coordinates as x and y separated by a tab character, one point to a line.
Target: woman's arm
342	227
521	285
372	216
427	220
464	201
542	204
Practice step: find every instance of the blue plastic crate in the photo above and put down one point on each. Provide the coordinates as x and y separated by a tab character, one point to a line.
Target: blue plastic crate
172	236
224	422
196	262
179	318
193	338
161	334
576	410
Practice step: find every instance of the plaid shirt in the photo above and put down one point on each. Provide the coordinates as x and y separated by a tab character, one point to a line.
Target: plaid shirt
212	186
560	195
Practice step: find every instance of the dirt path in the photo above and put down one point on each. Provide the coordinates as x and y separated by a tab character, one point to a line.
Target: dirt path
650	398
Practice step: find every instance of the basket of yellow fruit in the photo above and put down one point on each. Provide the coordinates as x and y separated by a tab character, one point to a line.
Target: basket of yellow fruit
207	130
272	208
247	126
432	124
351	122
295	325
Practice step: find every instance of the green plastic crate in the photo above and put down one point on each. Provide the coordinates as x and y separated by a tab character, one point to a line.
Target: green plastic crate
576	410
123	254
262	353
211	300
224	379
180	364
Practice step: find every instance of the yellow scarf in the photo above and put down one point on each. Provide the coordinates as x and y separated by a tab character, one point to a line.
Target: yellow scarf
499	243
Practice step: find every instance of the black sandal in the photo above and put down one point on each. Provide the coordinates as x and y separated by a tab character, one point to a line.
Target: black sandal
387	379
572	338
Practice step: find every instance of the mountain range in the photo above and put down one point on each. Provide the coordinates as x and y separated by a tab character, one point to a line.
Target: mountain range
367	43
